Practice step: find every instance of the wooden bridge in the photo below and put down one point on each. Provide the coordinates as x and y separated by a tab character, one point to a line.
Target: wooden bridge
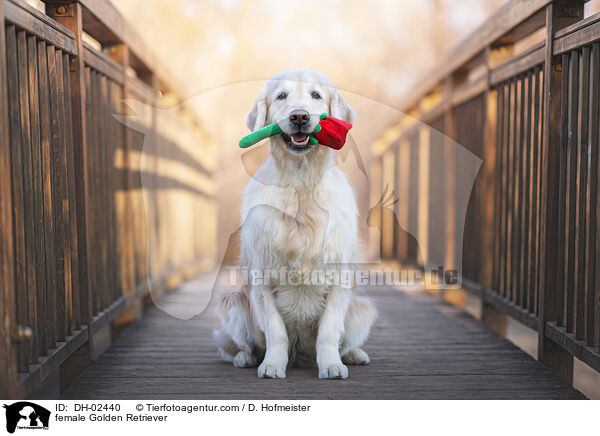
83	246
420	348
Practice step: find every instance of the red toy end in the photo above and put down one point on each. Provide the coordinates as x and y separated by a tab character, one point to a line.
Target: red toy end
333	132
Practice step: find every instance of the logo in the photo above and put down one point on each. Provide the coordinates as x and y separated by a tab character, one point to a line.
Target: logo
26	415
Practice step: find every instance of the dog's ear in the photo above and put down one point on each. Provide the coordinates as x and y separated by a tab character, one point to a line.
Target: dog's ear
257	118
340	109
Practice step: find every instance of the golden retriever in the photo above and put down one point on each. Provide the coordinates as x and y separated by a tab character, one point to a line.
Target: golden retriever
298	213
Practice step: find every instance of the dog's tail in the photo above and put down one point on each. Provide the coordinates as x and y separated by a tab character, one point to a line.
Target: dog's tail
224	344
234	311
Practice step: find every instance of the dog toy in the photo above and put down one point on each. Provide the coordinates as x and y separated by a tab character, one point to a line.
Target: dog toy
330	132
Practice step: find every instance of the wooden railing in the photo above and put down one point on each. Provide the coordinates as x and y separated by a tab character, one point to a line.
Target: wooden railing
87	228
523	94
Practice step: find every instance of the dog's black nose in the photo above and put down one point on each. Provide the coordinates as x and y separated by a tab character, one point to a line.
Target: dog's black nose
299	117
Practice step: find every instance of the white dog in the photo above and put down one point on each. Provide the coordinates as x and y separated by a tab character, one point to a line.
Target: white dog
298	211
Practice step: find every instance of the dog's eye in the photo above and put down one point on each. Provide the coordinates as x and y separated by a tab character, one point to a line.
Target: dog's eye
281	96
316	95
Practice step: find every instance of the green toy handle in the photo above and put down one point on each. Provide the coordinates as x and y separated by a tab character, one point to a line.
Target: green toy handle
259	135
272	130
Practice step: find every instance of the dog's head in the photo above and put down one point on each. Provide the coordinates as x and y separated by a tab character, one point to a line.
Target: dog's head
295	99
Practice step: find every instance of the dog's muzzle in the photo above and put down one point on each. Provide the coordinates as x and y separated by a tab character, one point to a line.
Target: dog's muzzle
299	120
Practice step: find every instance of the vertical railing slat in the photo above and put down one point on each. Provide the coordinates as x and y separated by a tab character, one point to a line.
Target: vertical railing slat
16	150
74	315
498	185
510	229
526	226
505	205
64	172
102	121
518	193
583	163
534	270
38	214
111	147
571	193
49	300
91	197
28	196
449	159
403	173
488	147
58	189
93	203
413	217
562	195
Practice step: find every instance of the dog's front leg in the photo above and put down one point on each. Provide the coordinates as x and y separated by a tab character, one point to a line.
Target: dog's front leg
276	355
330	334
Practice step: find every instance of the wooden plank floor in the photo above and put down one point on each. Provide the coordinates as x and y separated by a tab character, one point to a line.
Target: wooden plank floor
420	348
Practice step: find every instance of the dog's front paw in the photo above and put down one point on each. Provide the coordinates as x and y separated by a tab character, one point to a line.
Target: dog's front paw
271	370
336	370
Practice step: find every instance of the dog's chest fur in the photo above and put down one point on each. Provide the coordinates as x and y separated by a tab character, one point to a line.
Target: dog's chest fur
301	251
310	227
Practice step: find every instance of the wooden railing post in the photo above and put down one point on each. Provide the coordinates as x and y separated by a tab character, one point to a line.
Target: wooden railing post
403	164
487	188
120	53
71	16
489	314
154	256
450	162
558	16
380	217
8	381
423	206
387	223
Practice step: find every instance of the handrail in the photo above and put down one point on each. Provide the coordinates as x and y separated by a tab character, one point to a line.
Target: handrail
578	34
518	64
29	18
106	24
520	17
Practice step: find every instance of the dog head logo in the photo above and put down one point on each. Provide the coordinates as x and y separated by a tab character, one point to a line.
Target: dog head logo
26	415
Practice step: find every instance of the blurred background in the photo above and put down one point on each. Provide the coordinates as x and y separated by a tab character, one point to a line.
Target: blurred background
226	49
